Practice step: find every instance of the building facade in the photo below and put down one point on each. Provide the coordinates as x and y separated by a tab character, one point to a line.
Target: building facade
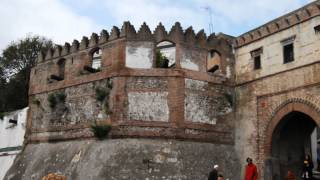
12	130
178	102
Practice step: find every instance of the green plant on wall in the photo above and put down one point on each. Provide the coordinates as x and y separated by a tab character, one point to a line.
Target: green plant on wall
102	93
102	96
161	60
101	131
55	98
61	97
35	101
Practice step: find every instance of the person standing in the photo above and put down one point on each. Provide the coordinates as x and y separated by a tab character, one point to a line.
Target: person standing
214	173
251	172
307	168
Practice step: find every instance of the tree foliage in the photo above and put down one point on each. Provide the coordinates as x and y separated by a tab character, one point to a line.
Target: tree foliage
16	62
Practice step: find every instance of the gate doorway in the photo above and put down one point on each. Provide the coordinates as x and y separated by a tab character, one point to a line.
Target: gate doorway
294	137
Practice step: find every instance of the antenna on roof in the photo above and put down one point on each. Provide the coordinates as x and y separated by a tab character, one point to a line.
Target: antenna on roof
209	10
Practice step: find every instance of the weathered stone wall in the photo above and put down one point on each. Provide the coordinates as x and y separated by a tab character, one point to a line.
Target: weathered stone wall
259	93
184	102
205	102
119	159
306	51
80	106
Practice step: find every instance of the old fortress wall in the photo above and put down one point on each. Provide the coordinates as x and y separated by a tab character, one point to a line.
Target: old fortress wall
184	101
217	99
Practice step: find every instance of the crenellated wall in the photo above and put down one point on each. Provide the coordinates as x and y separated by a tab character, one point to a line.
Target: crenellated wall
165	86
185	101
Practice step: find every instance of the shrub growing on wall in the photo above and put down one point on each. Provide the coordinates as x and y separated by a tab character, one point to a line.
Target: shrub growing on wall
161	60
101	131
55	98
102	95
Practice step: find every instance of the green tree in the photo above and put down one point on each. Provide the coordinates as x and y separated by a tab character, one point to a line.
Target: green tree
16	62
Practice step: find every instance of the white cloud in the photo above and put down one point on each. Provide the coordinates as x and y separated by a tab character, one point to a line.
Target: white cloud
230	16
48	18
71	19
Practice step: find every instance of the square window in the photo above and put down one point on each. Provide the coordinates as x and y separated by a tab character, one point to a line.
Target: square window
288	54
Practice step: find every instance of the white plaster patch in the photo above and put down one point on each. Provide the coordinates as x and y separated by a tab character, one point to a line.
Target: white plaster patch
139	55
195	84
186	63
148	106
228	72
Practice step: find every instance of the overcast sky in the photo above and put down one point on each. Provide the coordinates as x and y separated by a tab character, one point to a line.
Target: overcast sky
65	20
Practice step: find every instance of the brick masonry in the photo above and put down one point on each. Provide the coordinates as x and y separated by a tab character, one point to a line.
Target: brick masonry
233	111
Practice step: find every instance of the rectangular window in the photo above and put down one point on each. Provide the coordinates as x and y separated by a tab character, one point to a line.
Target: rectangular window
288	55
257	62
256	56
288	49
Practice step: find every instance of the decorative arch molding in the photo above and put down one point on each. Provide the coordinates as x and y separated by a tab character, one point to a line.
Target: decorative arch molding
295	104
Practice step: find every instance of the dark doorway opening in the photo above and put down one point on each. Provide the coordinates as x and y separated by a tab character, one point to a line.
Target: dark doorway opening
291	141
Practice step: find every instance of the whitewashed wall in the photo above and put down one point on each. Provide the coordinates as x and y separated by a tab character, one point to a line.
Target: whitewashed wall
11	136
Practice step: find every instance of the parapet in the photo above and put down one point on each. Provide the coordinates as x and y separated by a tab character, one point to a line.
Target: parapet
166	84
284	22
128	32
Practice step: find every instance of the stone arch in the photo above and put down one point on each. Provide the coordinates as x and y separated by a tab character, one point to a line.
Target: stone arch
291	105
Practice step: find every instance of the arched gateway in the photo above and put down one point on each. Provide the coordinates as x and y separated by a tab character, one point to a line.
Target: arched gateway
290	135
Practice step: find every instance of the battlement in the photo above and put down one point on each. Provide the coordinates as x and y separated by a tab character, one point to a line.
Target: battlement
284	22
174	84
128	32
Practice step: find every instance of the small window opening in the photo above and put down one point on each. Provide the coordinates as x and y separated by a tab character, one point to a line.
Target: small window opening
96	58
13	121
214	61
317	29
288	49
288	54
257	62
256	56
165	55
61	64
61	67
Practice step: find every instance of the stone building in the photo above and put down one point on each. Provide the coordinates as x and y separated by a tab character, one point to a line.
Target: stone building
178	102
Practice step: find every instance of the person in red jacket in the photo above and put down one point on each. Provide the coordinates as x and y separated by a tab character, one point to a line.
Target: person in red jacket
251	170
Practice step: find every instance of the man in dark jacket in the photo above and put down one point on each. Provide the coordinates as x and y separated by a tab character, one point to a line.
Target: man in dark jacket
214	173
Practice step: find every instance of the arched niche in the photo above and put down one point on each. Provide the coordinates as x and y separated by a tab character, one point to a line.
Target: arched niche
96	58
165	54
213	61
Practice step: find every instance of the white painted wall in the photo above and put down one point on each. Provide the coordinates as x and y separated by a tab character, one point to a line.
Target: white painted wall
139	54
11	136
186	63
